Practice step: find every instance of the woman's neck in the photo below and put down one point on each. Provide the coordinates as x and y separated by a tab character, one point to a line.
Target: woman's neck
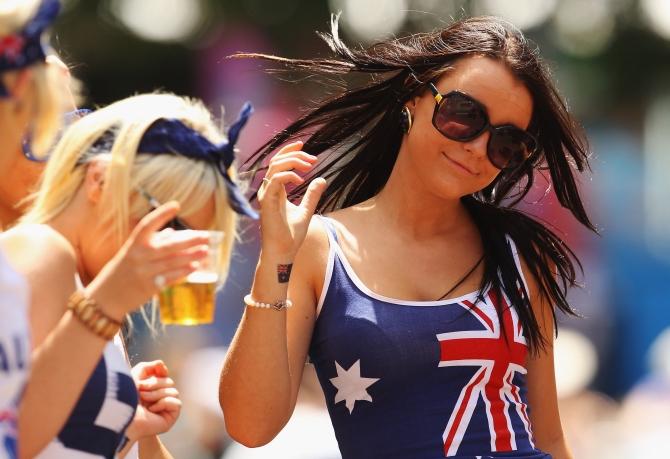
417	212
71	223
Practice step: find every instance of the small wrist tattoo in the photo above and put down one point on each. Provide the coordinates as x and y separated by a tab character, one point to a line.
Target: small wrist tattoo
284	273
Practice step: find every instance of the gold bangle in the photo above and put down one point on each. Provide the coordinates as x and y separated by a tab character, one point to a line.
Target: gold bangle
86	310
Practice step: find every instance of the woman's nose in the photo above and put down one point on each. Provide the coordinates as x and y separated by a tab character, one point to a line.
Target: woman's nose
477	146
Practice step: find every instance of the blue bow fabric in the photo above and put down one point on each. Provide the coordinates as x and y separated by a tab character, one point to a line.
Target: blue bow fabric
24	48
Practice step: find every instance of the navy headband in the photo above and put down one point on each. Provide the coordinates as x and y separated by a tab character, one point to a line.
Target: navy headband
25	47
173	136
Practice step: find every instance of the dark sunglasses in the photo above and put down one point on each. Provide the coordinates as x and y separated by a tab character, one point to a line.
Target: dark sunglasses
176	223
459	117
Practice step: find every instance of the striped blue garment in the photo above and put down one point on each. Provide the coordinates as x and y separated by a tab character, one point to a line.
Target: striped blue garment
103	412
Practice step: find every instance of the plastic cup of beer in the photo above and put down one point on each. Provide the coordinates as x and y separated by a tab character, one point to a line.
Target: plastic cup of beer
192	300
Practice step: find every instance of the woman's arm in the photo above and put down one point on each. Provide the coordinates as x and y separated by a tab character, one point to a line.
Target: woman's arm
65	352
541	379
152	448
264	363
263	367
149	448
59	339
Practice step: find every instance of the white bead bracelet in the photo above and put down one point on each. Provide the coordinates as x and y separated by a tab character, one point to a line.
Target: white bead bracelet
278	305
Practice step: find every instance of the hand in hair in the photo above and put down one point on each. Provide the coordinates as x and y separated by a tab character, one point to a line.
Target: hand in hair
284	224
128	279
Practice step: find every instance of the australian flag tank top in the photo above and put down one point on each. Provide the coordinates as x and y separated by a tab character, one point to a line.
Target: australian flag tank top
419	379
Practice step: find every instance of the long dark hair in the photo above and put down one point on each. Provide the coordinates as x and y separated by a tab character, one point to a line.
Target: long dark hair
360	129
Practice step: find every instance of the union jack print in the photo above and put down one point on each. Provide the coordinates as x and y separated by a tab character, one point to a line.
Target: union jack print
499	356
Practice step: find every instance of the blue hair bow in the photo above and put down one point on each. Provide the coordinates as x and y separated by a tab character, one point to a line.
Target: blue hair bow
173	136
24	48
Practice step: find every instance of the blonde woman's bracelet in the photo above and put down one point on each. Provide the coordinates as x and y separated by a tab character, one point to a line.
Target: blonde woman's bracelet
86	310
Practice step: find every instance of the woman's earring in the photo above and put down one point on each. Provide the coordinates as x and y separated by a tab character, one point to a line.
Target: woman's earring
26	147
406	119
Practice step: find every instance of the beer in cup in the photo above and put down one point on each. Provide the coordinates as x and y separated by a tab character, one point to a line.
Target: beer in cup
191	301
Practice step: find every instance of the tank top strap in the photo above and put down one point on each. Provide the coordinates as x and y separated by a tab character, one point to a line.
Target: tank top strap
517	261
329	227
331	232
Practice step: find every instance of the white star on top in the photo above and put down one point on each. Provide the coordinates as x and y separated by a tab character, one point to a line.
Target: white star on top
351	386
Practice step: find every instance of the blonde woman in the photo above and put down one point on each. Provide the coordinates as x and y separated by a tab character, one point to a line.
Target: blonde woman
100	188
34	93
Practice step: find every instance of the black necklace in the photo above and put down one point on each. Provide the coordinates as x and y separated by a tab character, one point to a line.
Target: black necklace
463	278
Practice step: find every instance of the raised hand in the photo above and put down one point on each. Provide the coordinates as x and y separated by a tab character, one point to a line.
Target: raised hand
146	263
284	224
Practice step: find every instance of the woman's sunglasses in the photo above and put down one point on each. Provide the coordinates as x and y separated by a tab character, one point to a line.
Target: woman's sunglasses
176	223
459	117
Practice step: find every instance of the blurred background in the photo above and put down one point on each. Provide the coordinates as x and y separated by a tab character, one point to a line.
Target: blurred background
611	59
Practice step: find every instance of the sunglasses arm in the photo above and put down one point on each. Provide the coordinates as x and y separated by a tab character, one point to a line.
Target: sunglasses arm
436	93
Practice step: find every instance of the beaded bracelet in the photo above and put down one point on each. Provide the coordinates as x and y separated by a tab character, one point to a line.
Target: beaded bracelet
278	305
86	310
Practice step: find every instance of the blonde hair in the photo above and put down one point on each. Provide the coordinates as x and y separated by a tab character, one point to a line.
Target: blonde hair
50	82
164	176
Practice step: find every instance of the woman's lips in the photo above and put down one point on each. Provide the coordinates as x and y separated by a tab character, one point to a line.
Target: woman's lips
459	165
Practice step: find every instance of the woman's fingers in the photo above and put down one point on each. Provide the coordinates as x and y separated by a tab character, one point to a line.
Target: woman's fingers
152	396
154	221
145	369
289	163
169	252
185	260
313	195
288	159
169	240
176	275
154	383
291	147
169	404
278	182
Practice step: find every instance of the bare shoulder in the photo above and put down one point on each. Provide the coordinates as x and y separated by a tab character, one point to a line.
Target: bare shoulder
48	262
39	252
312	257
316	240
345	220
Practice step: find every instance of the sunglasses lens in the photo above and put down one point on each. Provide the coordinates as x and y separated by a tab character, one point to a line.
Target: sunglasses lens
509	147
459	118
176	224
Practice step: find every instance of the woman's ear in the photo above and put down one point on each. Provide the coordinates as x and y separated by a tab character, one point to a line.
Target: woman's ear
18	83
94	180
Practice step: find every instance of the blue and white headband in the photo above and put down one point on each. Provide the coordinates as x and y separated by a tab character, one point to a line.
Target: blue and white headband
25	47
171	136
